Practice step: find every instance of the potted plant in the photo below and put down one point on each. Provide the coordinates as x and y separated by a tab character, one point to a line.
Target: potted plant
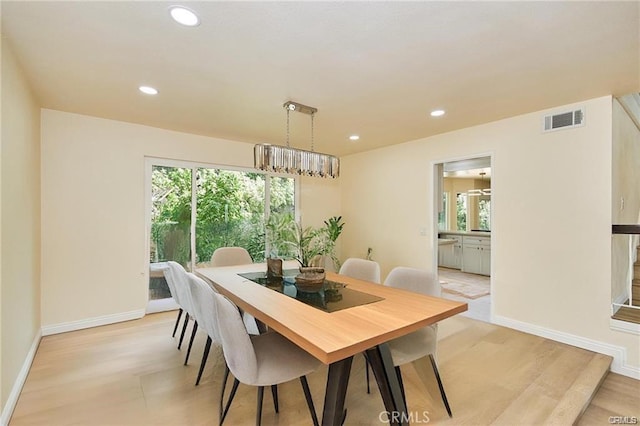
288	239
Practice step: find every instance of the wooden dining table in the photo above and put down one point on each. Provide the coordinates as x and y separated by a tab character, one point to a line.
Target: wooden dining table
335	337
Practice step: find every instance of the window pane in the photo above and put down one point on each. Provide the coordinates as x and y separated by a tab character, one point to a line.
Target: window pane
282	195
461	205
484	213
229	212
444	214
170	222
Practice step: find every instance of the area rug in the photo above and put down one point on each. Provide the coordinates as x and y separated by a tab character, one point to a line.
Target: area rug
468	290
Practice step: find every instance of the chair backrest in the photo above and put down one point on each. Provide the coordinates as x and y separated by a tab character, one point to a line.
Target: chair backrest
236	343
168	276
362	269
412	279
230	256
181	283
204	305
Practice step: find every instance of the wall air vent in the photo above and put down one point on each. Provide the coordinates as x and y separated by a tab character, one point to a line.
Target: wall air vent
565	120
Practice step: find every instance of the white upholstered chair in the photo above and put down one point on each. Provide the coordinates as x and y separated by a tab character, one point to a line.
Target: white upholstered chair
230	256
263	360
205	311
366	270
362	269
178	277
174	294
422	342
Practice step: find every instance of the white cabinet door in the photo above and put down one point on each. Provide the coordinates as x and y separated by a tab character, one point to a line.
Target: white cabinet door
450	256
457	256
486	260
476	255
472	258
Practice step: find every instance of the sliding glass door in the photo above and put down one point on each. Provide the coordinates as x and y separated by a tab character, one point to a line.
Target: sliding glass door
196	209
170	236
229	212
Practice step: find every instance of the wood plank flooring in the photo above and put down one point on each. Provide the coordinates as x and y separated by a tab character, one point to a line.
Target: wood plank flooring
132	374
618	396
627	314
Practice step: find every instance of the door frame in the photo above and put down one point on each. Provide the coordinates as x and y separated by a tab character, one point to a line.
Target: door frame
436	191
160	305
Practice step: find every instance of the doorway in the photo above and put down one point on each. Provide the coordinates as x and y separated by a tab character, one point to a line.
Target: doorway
463	210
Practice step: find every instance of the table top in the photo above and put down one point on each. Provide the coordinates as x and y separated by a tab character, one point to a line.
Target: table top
333	336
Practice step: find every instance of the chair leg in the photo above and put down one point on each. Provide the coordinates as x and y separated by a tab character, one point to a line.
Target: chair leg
236	382
184	329
399	375
175	328
274	393
259	405
307	395
366	369
205	355
193	335
224	386
444	395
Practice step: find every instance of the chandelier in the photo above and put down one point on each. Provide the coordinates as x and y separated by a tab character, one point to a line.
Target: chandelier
480	192
284	159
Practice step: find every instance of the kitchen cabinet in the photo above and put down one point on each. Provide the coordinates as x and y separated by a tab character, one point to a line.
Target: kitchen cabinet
476	255
450	256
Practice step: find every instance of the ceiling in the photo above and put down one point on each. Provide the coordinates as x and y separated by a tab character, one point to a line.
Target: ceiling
375	69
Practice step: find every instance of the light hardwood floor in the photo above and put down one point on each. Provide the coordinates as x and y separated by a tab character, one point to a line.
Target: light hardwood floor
132	374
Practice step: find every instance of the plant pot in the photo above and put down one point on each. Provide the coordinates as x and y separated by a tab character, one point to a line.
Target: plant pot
310	279
274	268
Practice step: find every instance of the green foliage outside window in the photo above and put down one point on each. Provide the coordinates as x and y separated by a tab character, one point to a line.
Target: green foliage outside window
461	212
230	211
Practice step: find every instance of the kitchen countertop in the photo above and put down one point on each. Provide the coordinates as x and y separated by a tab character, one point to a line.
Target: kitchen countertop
474	233
446	241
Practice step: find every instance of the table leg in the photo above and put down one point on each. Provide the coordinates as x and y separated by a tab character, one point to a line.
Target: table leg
333	413
382	366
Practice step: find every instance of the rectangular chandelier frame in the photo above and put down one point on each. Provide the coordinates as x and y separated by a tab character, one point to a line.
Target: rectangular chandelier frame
284	159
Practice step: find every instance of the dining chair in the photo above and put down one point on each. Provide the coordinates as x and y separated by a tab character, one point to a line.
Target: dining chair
205	312
422	342
366	270
260	360
230	256
179	277
168	276
362	269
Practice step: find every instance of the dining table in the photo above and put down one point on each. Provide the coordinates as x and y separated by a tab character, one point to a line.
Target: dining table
346	317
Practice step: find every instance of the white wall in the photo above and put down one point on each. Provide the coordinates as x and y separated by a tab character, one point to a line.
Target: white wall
20	228
551	248
93	211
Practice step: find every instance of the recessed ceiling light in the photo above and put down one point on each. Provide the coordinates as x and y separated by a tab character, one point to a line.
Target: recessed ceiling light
184	16
354	137
148	90
437	113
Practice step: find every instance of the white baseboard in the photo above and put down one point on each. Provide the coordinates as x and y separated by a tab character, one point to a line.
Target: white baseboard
64	327
619	353
7	410
161	305
620	300
624	326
